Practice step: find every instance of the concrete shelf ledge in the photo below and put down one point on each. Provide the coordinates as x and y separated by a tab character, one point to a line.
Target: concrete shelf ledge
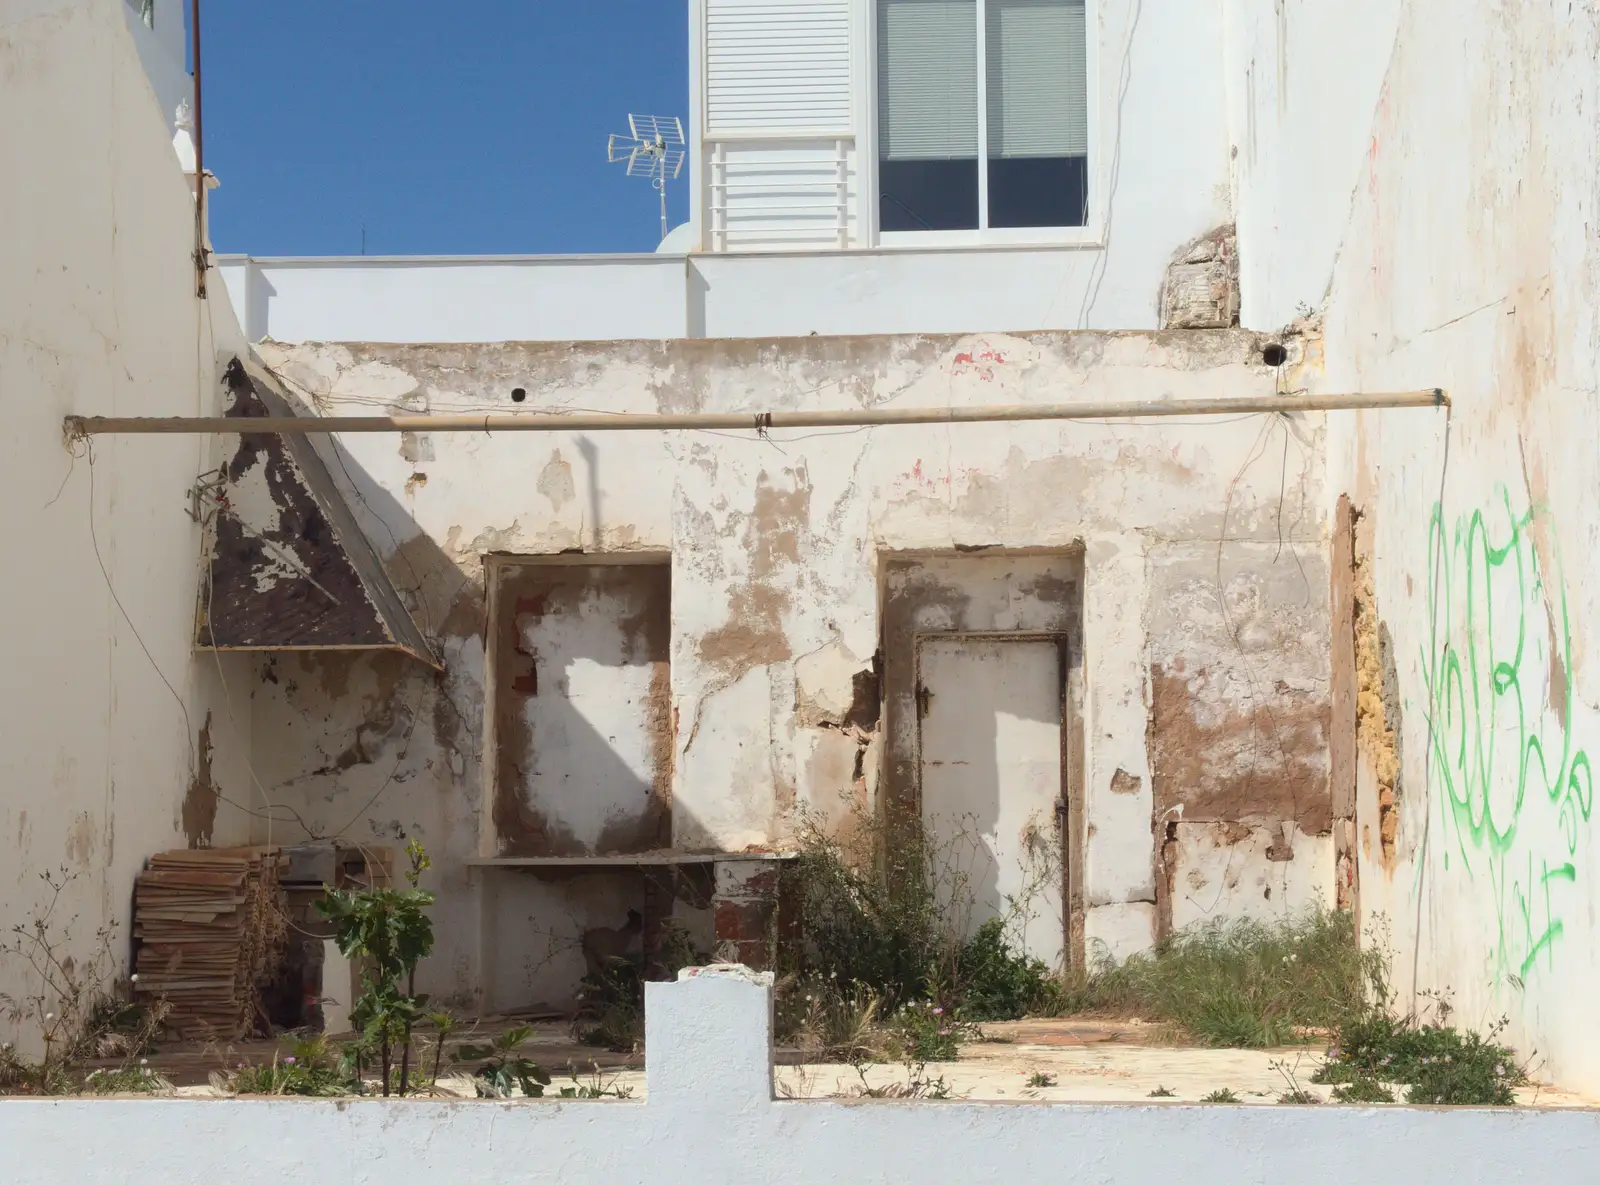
637	860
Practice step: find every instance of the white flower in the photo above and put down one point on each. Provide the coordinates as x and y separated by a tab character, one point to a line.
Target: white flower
49	1016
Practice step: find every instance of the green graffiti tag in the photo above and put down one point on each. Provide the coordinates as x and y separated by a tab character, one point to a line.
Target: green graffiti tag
1516	792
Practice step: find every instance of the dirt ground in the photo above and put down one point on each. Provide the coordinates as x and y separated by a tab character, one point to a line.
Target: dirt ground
1057	1061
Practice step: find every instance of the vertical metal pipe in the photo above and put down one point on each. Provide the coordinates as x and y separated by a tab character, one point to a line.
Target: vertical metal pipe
202	257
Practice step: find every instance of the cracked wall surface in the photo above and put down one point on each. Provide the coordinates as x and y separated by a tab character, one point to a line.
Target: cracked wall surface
779	549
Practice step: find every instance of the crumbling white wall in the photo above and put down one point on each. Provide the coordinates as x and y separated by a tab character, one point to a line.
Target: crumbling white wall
1468	261
115	738
776	582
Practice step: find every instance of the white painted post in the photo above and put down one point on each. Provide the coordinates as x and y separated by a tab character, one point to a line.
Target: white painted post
709	1039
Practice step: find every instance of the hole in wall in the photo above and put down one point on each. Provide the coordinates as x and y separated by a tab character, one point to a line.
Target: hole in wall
518	394
1273	354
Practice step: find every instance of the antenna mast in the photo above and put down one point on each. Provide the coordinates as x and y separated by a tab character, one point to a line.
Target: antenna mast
654	148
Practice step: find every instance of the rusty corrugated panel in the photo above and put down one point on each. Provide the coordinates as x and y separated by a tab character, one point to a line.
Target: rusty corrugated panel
290	568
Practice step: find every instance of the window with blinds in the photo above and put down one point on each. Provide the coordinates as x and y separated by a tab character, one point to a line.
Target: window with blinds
1014	155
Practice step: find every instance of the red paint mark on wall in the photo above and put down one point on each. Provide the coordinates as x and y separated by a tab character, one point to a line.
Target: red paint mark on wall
981	361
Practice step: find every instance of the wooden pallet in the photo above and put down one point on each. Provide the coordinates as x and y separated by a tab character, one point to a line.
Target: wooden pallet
210	930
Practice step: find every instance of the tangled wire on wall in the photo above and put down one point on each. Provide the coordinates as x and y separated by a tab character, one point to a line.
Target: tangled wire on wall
1517	791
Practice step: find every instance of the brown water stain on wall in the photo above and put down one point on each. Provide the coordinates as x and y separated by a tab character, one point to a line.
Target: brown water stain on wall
82	840
199	812
1261	763
775	534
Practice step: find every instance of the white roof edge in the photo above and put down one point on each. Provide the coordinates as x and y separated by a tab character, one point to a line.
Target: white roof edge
412	260
653	258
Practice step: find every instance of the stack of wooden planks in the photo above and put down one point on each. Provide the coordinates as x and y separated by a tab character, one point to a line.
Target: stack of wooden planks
210	929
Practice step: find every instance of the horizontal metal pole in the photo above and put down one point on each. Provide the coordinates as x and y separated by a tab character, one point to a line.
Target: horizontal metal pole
77	426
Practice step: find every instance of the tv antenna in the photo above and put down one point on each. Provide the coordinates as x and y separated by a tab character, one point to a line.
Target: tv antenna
653	148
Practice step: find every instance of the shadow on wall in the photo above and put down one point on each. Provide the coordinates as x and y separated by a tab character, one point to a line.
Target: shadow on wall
383	750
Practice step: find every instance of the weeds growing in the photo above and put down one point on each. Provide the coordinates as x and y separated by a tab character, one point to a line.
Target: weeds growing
316	1069
75	1004
1436	1062
1243	983
611	1004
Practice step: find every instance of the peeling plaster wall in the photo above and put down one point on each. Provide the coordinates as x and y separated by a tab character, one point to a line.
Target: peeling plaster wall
777	562
1239	723
110	753
583	710
1469	261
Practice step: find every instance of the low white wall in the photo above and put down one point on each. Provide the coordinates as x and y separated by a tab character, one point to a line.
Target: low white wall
711	1115
553	298
623	297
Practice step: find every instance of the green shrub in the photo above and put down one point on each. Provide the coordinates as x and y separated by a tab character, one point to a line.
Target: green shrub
1438	1063
925	1032
1363	1089
140	1079
503	1069
995	982
389	932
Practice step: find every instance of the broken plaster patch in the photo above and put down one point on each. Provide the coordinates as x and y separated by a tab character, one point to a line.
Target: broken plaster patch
378	380
726	971
1122	782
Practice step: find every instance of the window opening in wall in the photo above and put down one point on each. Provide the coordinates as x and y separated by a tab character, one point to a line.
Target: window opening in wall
982	114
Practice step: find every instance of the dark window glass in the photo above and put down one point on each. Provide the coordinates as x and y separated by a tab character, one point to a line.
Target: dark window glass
1038	190
928	194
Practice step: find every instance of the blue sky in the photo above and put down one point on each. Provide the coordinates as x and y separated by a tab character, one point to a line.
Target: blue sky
463	127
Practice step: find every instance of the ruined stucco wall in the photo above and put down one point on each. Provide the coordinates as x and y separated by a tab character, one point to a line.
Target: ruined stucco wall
777	547
1239	724
582	766
1469	262
117	739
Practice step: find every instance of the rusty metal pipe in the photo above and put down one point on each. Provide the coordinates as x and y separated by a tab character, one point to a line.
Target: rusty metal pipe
79	426
202	260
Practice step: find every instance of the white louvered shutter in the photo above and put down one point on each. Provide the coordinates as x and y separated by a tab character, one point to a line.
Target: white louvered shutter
1037	80
927	79
777	66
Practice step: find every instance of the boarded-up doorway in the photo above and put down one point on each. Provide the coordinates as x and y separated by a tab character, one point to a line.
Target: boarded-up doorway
990	749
